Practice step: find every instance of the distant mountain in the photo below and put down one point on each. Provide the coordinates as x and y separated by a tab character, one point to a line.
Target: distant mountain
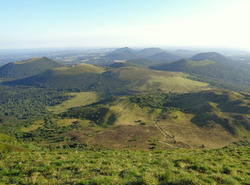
183	65
126	55
154	54
217	57
121	64
124	49
138	62
26	68
142	62
122	54
164	57
185	53
147	52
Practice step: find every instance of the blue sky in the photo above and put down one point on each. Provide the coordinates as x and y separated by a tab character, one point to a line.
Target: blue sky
114	23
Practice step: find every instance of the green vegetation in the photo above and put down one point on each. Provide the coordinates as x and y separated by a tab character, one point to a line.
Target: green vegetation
217	74
20	105
99	114
120	81
142	62
27	68
214	56
122	64
79	69
164	57
82	165
193	63
77	100
86	124
229	109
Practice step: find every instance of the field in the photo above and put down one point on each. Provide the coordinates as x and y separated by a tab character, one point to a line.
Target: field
173	84
150	80
228	165
79	99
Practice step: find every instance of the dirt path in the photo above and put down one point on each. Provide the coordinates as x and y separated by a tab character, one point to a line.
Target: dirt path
164	133
168	144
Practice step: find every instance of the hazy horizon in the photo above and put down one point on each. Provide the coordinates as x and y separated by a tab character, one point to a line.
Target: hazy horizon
97	24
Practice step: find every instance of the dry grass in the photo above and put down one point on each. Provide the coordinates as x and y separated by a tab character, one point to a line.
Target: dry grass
178	124
128	113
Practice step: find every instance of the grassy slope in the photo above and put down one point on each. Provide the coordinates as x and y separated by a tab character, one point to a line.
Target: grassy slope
26	68
192	63
6	144
220	75
191	136
134	127
89	77
81	76
79	69
65	166
150	80
5	147
79	99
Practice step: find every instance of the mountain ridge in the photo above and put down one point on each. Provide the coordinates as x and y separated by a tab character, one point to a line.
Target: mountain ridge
27	68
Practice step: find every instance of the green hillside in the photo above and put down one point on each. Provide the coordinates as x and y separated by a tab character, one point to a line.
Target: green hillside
147	52
26	68
141	62
77	100
4	147
164	57
146	80
220	74
81	76
79	69
122	54
164	109
110	82
183	65
138	62
122	64
6	144
229	109
93	125
210	119
216	57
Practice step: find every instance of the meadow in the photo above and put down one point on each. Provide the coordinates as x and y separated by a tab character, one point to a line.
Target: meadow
77	100
85	165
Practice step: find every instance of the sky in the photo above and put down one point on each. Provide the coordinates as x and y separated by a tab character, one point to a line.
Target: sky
118	23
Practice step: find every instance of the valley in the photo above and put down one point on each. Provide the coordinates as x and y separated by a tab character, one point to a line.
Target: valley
124	92
146	104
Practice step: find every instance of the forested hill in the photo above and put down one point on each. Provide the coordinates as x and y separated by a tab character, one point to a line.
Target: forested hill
207	69
147	52
214	56
122	54
76	77
27	68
